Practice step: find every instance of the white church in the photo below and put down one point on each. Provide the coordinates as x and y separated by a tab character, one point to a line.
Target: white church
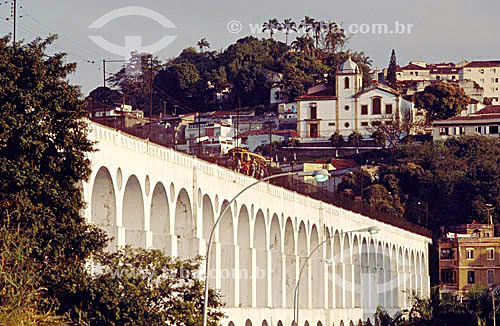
349	107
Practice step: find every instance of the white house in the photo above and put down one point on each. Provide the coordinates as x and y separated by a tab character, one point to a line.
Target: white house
212	137
349	107
486	122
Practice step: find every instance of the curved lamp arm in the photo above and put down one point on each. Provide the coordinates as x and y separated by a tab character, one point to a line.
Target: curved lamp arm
371	230
320	175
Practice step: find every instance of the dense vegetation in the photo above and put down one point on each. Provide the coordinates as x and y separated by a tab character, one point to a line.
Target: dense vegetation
46	245
242	73
435	184
476	309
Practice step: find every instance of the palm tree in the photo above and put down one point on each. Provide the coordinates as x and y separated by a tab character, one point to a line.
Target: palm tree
304	44
317	28
289	25
334	37
306	25
270	26
337	140
203	43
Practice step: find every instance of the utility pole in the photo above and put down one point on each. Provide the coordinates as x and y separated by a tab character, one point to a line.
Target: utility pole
14	11
150	97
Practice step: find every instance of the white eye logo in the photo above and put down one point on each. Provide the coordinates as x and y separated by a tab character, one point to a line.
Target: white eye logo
132	43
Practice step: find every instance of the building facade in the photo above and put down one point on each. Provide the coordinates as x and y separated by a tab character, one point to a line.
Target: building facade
349	107
486	74
485	122
469	255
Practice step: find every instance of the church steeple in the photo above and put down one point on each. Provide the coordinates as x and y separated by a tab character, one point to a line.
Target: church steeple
349	79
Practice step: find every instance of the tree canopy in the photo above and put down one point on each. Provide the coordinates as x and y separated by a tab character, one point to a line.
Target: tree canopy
442	100
47	246
437	184
245	71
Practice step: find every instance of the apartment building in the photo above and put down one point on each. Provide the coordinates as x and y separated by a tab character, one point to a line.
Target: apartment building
486	74
468	255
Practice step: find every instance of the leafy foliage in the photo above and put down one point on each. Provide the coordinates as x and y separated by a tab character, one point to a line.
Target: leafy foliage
22	301
43	146
439	183
145	287
442	100
391	71
46	244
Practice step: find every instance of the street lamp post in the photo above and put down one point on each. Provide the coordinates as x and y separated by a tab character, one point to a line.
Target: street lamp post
320	176
371	230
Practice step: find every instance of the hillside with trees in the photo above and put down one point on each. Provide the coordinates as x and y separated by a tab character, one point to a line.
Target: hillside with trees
434	184
243	72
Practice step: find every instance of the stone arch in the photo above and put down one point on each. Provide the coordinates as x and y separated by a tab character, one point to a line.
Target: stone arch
303	252
306	323
319	323
207	225
339	271
276	261
317	270
341	323
394	277
418	285
406	275
133	214
184	226
356	263
348	283
226	238
380	275
413	273
330	269
351	323
372	262
230	323
387	276
264	323
245	261
365	274
160	219
103	205
279	323
248	322
402	276
208	216
424	272
290	263
260	245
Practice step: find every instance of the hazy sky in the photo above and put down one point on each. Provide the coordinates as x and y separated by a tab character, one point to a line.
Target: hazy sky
443	30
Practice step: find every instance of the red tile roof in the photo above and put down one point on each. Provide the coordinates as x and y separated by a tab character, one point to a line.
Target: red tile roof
341	164
291	133
326	94
413	66
483	64
473	117
491	109
384	88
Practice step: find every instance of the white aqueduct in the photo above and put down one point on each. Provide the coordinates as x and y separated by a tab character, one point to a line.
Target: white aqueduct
150	196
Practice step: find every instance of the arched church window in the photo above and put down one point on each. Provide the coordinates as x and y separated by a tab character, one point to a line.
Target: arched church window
346	83
376	105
